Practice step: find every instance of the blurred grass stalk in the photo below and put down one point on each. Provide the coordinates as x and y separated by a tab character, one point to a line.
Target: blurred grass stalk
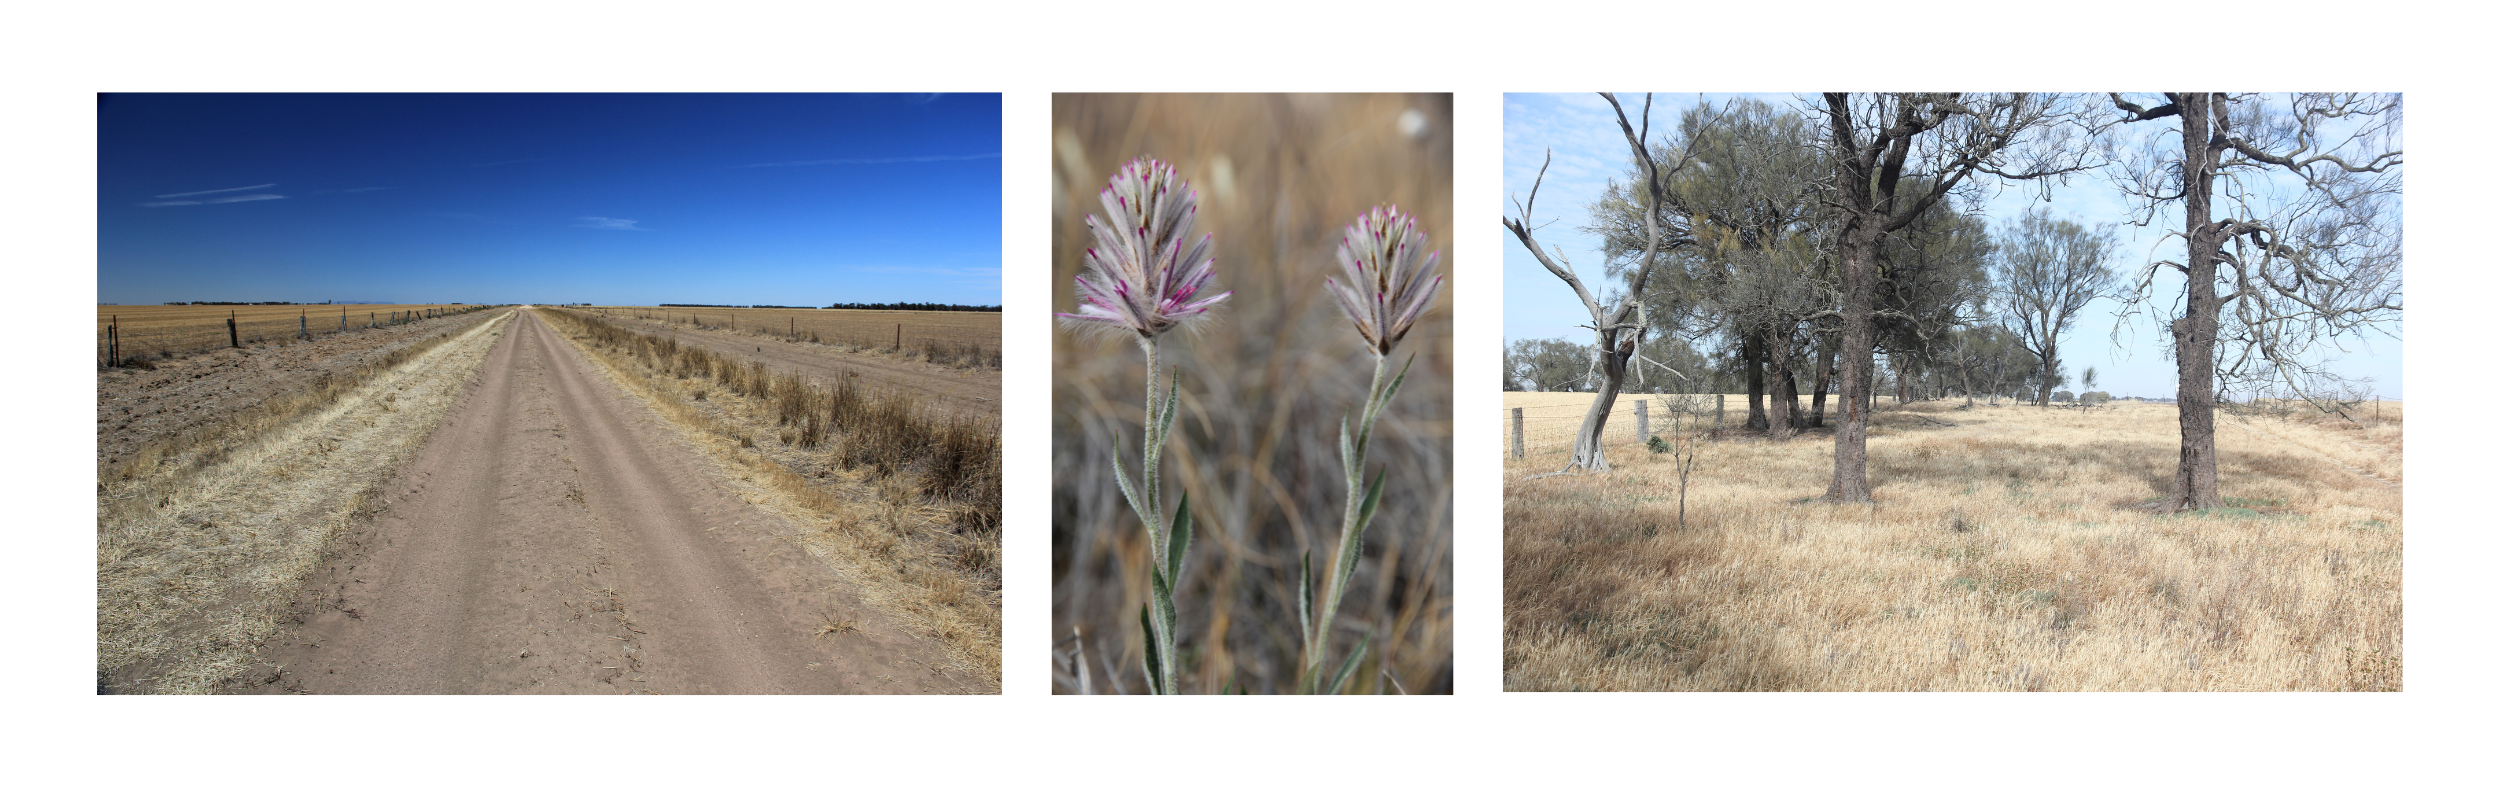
1251	445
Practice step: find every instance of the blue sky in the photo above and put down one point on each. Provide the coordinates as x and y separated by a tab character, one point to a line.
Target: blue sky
1588	149
795	199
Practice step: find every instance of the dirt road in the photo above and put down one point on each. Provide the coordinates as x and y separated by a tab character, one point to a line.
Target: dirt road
967	392
556	536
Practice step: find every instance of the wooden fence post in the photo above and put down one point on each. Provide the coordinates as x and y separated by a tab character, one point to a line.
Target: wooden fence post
113	343
1640	421
303	329
898	337
233	339
1518	441
1721	419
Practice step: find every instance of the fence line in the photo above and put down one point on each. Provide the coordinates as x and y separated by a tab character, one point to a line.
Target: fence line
118	344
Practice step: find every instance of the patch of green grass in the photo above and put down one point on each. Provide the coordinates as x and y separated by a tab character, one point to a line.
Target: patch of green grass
2372	524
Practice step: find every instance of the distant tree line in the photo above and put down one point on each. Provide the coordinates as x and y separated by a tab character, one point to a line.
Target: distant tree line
238	303
892	307
918	307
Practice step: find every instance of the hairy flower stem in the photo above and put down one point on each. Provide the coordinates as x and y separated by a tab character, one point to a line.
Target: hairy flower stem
1359	507
1167	541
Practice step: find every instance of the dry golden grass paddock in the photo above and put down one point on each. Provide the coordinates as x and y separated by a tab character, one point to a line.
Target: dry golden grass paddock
934	336
2013	550
166	330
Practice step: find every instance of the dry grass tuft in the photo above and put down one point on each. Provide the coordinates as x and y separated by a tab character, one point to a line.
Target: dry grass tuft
2013	552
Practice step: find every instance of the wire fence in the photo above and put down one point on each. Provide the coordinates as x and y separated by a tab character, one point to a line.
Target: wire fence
1540	430
119	344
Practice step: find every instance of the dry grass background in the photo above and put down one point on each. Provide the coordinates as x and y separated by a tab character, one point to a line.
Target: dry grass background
2011	552
1262	391
167	330
204	538
955	339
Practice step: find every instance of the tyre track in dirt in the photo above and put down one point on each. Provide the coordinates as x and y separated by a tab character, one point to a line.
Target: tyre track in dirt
555	537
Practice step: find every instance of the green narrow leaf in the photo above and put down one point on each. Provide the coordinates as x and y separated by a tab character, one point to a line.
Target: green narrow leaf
1163	420
1229	687
1154	659
1345	442
1337	685
1371	503
1304	606
1180	540
1162	626
1128	489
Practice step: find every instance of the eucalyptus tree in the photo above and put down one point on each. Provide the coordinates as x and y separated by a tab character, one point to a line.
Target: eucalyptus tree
1753	274
2047	270
1952	141
1618	327
1548	364
2291	213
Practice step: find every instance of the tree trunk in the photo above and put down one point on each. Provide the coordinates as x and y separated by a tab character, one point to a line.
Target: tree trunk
1788	398
1588	452
1752	351
1822	380
1777	412
1857	361
2198	482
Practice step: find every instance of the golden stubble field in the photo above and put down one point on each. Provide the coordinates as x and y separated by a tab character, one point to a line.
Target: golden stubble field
177	329
2011	552
863	328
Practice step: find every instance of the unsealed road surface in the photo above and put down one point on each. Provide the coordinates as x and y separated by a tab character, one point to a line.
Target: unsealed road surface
555	536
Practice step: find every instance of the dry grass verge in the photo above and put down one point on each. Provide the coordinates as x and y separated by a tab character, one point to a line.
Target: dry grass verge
2011	552
956	340
901	501
203	538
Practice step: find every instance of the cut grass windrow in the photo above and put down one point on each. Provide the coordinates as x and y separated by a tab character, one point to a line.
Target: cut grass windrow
203	538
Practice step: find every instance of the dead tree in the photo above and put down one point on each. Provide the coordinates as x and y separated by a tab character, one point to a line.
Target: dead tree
2308	248
1618	331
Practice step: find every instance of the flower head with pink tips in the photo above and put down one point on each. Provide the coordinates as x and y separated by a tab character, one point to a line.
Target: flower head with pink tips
1143	275
1389	280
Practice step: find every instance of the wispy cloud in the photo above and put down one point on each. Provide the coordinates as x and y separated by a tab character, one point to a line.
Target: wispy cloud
990	273
605	223
882	160
213	191
215	200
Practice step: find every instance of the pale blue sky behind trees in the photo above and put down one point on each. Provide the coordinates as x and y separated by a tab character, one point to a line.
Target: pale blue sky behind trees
1588	150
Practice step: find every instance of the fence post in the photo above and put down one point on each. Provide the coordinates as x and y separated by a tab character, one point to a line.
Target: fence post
233	340
898	337
113	343
303	330
1518	443
1721	419
1640	421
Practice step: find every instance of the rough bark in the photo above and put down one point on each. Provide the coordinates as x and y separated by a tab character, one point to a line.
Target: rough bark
1778	412
1755	420
2197	484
